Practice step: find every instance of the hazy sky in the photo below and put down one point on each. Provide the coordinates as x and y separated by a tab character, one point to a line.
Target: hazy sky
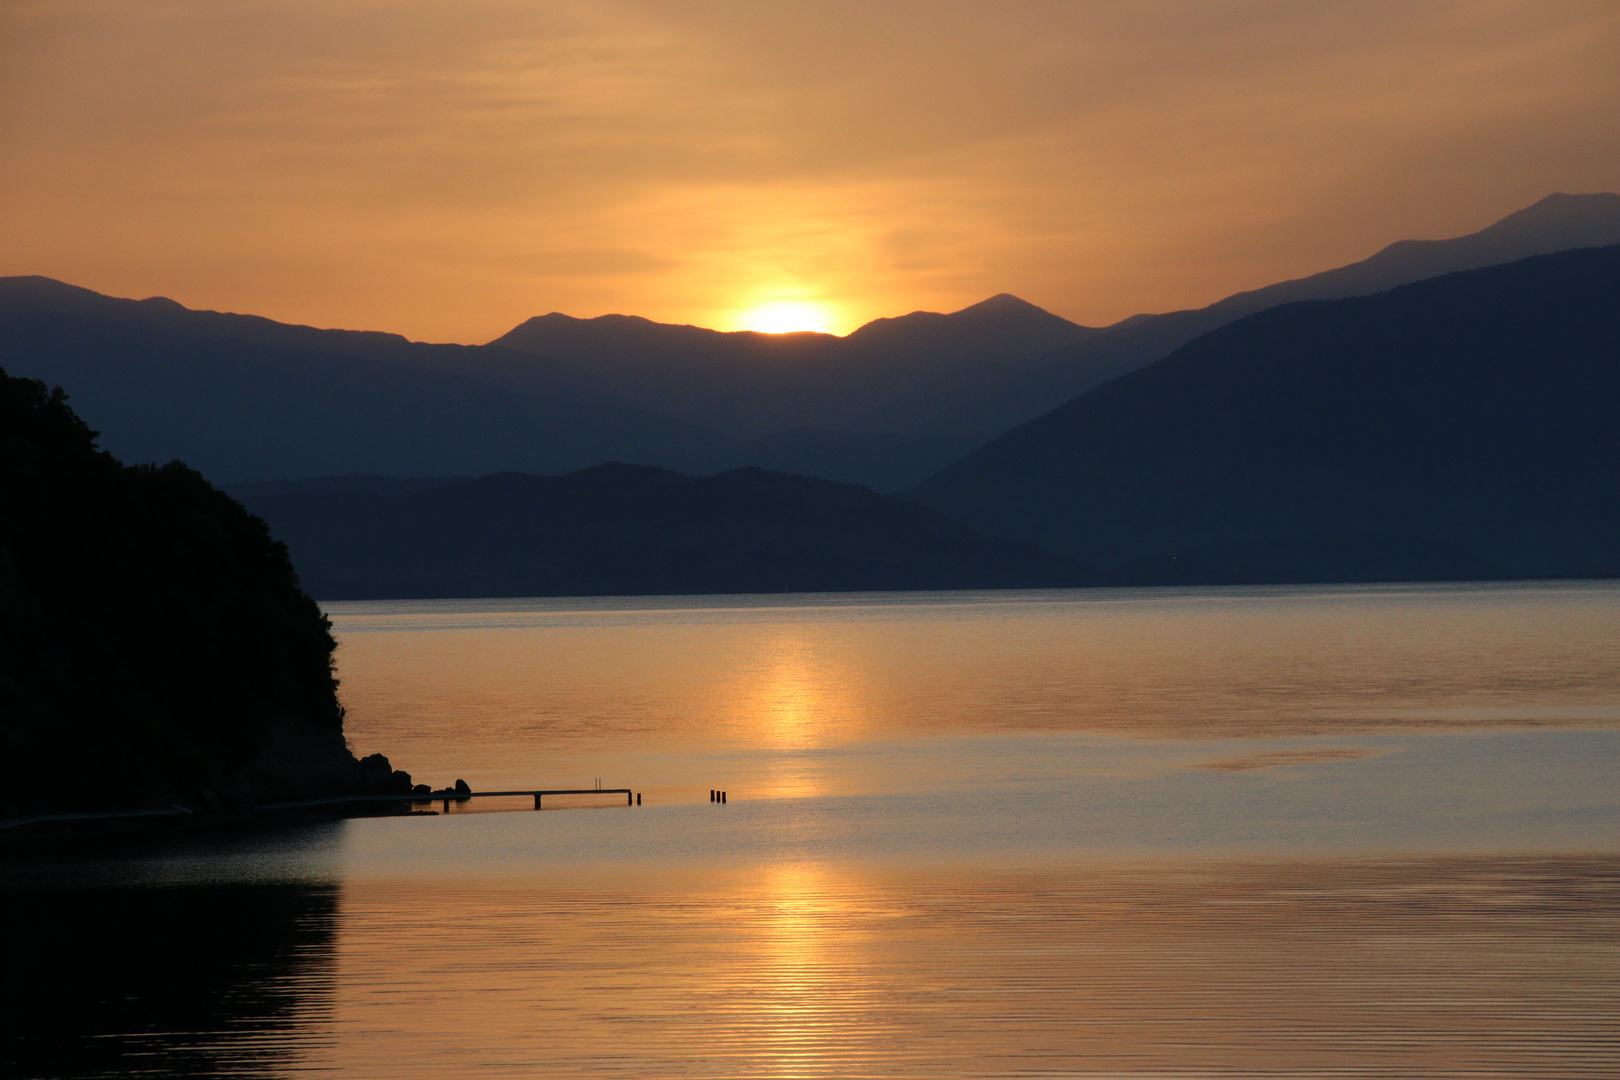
446	169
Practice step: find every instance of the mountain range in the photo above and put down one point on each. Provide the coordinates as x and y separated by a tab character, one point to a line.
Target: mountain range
616	530
1464	427
985	369
246	398
1476	413
1443	410
1558	222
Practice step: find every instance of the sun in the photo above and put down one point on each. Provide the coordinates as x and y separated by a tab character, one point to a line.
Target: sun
786	318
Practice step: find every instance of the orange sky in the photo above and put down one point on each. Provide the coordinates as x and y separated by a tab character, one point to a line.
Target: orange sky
447	169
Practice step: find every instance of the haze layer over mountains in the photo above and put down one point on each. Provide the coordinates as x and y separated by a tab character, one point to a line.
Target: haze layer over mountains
1319	429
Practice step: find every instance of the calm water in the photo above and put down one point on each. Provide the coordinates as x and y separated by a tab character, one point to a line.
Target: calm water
1323	832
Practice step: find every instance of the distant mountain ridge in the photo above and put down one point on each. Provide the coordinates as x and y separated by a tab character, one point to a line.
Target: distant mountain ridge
1474	418
51	295
999	392
236	408
889	405
1016	384
1558	222
915	374
249	398
629	530
45	295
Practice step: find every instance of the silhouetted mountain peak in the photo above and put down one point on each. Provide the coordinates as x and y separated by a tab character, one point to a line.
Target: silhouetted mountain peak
58	297
907	375
545	334
1559	222
53	295
1580	214
561	319
1556	223
1002	311
1003	304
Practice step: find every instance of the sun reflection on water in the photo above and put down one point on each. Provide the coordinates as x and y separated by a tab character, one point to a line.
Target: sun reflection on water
821	1006
1439	966
795	705
790	701
796	1011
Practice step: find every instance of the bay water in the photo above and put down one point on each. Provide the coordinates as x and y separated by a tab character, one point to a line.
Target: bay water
1369	831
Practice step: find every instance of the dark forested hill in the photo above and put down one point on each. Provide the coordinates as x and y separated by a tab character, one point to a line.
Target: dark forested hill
629	530
1469	421
154	642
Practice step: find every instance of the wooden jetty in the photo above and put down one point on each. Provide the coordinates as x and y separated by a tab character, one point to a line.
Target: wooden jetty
450	795
446	796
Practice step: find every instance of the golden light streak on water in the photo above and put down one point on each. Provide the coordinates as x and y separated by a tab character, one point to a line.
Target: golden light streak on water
1437	967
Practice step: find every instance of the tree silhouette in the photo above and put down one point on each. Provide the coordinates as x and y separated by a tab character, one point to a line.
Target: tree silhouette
154	641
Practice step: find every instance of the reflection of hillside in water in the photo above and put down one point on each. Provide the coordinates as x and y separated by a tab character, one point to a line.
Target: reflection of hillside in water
194	981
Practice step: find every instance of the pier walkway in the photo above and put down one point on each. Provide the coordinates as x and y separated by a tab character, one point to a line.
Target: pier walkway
450	795
445	795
